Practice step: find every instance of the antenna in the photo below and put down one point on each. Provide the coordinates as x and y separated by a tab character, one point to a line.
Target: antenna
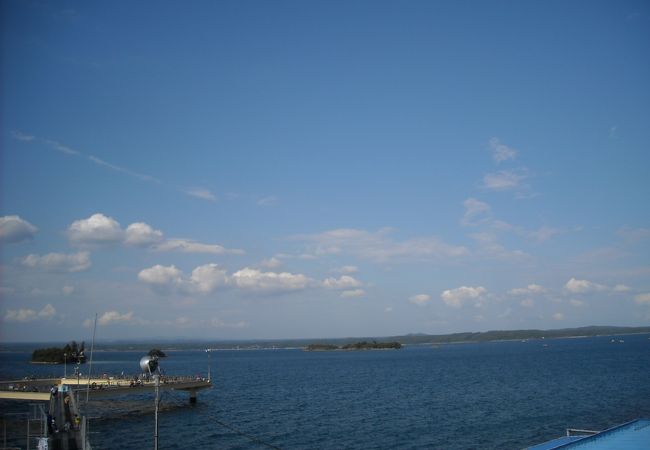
90	368
208	351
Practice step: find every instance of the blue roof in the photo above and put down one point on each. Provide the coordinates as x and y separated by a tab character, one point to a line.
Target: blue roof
633	435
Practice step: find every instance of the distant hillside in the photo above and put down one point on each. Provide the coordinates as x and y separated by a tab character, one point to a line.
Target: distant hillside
142	345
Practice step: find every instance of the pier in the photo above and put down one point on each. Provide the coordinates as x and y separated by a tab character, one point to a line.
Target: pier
39	389
60	421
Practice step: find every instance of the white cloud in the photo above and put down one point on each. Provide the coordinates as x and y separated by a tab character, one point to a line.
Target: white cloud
190	246
476	212
267	201
531	289
112	317
120	169
346	270
13	229
420	299
503	180
489	246
456	297
97	229
501	152
59	262
22	136
379	247
642	299
542	234
21	315
621	288
344	282
161	275
208	278
47	312
203	194
253	279
100	229
218	323
272	263
558	316
67	290
60	147
583	286
353	293
575	302
29	315
142	235
527	303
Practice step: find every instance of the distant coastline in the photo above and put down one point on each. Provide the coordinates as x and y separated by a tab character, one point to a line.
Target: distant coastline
178	344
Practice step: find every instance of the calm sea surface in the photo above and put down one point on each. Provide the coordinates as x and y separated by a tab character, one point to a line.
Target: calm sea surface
504	395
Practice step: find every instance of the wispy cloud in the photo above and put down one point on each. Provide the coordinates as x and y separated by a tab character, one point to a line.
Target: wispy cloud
378	246
22	136
191	246
420	299
531	289
634	234
30	315
500	151
476	212
353	293
124	170
504	180
62	148
203	194
267	201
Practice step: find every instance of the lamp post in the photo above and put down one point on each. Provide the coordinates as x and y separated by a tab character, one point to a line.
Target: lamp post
65	365
150	364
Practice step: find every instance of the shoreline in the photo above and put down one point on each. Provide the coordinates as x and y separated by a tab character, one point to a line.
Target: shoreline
436	340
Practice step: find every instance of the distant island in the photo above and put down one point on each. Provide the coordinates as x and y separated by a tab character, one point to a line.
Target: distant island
363	345
71	352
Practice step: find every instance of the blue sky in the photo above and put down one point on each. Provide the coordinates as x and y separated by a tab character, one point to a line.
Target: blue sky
231	170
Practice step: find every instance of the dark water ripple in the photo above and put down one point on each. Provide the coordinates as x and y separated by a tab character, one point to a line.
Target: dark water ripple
491	396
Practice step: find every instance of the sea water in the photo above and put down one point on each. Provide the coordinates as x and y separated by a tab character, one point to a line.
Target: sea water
500	395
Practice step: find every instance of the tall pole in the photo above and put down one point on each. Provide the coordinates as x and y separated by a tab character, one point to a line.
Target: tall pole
65	365
90	368
155	436
208	351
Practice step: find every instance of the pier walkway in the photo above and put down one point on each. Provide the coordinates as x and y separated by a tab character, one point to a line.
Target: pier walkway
63	425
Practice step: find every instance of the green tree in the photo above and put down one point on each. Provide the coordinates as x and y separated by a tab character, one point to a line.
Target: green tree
157	353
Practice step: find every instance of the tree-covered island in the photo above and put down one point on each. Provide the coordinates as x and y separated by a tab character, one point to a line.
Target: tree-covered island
363	345
72	353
